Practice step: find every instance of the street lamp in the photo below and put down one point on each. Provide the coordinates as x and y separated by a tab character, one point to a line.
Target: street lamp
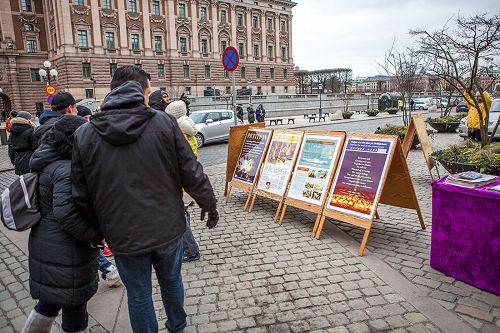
249	86
320	88
92	78
47	72
196	85
267	80
368	104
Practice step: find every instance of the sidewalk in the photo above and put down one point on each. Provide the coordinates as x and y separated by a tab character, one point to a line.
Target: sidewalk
256	276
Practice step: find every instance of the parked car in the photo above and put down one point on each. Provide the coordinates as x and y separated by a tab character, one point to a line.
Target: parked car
462	107
494	115
421	105
212	125
463	131
90	103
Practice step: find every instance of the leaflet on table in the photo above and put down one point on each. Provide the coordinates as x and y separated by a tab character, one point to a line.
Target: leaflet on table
314	167
358	182
279	162
251	155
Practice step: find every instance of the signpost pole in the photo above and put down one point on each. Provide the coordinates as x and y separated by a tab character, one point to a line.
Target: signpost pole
234	98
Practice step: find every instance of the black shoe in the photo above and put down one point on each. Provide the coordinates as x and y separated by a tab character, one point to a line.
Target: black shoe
194	257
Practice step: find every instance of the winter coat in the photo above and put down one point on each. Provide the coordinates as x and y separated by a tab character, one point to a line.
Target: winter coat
47	120
261	114
473	115
62	263
251	115
129	166
239	113
156	101
21	146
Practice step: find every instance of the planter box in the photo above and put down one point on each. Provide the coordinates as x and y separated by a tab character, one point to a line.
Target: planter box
347	115
372	114
392	111
445	127
455	167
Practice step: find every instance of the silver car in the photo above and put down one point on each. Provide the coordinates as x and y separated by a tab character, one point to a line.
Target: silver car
212	125
494	114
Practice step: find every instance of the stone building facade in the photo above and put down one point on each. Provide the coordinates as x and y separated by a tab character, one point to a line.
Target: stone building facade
179	42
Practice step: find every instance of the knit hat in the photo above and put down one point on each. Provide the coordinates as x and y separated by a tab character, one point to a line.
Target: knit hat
177	109
62	100
24	114
83	111
68	124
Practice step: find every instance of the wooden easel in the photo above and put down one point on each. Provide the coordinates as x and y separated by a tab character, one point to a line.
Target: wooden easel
417	127
396	190
246	186
269	195
307	206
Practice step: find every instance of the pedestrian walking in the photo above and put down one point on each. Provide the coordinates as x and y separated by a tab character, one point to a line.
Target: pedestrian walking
130	164
239	112
412	105
473	122
62	262
20	142
261	113
250	114
159	100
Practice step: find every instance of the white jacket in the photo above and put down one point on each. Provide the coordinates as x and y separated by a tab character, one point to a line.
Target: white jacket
187	125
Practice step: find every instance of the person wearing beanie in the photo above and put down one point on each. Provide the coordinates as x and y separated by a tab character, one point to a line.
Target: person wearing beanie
8	123
20	143
84	112
62	246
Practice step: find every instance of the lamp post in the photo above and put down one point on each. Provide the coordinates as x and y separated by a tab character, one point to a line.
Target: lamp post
196	85
92	78
368	103
320	90
267	80
48	73
249	86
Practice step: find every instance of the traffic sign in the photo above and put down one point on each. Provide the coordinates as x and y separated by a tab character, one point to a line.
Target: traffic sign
50	98
230	59
50	90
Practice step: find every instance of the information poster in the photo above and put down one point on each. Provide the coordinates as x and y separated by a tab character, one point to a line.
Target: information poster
313	170
251	155
359	179
279	162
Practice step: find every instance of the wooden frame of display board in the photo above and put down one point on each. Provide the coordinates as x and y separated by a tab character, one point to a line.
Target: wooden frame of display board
279	136
307	204
394	184
236	139
241	184
417	127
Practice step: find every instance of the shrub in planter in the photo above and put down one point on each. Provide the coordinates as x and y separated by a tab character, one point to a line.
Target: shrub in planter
347	114
392	110
401	131
446	124
372	112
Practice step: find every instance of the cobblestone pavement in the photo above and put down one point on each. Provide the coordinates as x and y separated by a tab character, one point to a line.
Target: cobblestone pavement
257	276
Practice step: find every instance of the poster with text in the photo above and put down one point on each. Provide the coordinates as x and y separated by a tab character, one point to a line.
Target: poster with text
251	155
279	162
314	167
359	179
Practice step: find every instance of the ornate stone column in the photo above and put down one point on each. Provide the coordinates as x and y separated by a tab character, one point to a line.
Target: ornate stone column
170	28
148	50
248	27
194	28
234	41
122	21
96	27
215	32
263	32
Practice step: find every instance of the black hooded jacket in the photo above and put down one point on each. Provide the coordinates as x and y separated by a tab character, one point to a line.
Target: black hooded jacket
62	262
47	120
156	101
129	166
21	147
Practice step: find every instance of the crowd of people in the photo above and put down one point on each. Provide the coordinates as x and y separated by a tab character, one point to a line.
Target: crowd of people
139	149
259	113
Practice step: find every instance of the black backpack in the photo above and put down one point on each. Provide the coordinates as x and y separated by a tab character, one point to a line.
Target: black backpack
19	204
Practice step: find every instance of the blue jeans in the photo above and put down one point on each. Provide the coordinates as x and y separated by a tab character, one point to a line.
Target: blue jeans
103	262
190	246
135	272
74	318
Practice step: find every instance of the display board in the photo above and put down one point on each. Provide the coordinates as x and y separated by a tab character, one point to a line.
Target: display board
252	153
372	170
277	168
314	170
417	127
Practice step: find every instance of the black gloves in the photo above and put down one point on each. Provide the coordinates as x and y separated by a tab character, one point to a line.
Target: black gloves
213	218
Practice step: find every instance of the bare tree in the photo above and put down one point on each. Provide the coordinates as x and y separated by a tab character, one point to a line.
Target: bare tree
344	76
457	56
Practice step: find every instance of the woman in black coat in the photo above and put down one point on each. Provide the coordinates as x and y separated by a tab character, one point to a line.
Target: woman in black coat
20	142
251	114
62	256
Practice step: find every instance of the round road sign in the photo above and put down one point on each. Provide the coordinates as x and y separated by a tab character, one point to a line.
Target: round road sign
230	59
50	90
50	98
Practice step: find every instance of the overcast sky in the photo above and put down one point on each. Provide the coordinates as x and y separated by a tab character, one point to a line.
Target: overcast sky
357	33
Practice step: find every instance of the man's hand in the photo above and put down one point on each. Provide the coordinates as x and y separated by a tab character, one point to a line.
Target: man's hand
213	218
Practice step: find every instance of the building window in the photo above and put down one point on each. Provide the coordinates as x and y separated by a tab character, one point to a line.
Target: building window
83	40
239	20
89	93
228	90
256	50
138	65
273	90
259	90
161	71
269	24
78	2
271	73
106	4
112	69
110	40
35	77
185	70
31	46
243	72
223	16
283	53
86	70
188	90
283	26
226	74
207	72
241	49
183	44
26	5
257	72
285	73
155	7
204	46
203	13
158	44
132	6
29	27
182	10
255	22
223	45
134	41
286	90
270	52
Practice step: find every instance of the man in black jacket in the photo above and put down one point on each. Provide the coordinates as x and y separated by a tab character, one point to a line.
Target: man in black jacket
130	164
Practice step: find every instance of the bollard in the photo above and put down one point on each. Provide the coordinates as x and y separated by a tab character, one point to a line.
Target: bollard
3	136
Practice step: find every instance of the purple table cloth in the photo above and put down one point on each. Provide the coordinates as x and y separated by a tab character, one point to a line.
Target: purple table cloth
465	240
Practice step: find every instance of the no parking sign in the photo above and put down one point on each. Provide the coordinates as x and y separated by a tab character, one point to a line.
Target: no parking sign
230	59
